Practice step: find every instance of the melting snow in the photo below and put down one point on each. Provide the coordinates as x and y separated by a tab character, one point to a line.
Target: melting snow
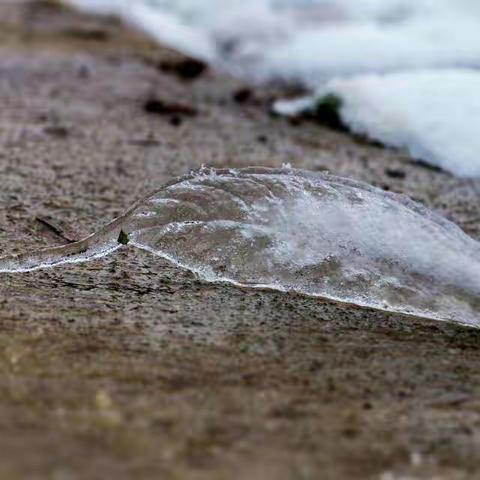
431	114
434	114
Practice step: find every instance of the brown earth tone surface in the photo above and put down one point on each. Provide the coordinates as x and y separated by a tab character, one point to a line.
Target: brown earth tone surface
126	367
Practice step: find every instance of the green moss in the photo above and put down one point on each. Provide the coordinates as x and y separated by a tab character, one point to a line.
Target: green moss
123	238
327	111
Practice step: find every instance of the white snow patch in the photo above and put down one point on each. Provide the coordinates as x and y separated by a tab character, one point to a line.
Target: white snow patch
309	40
434	114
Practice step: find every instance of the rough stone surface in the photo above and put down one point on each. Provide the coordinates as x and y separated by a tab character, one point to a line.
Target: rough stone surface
129	368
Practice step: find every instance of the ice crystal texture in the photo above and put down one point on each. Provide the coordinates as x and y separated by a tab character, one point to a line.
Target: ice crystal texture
299	231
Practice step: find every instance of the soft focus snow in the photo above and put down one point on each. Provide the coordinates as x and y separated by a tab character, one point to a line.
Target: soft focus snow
310	40
432	114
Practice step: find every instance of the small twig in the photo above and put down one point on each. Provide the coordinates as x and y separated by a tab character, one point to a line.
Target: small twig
55	230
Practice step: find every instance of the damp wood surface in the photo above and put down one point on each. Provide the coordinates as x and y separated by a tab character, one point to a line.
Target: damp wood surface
126	367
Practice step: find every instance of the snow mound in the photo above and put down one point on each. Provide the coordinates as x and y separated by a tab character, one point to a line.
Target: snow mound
434	115
309	41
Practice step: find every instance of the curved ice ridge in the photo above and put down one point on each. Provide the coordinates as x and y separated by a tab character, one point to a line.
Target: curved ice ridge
293	230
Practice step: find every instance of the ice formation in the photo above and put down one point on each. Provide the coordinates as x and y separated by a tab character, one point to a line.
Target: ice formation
298	231
434	114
